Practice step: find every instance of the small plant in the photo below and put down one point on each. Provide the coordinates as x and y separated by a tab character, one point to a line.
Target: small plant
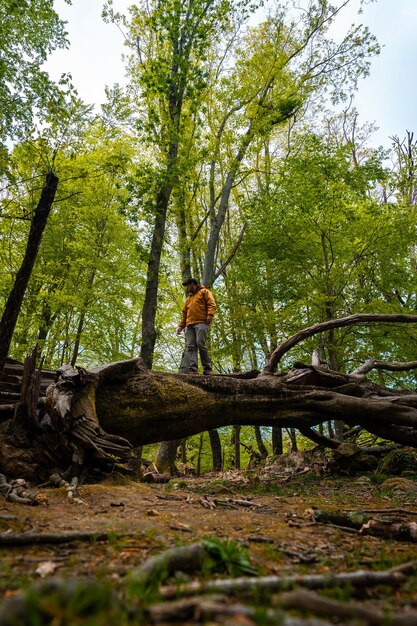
378	479
229	556
180	484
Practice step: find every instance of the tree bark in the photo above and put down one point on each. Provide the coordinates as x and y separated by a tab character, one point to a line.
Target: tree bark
216	450
261	446
152	278
277	444
99	415
148	406
164	461
236	442
15	299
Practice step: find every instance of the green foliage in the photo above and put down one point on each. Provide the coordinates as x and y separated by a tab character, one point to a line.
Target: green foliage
228	556
321	246
87	274
30	30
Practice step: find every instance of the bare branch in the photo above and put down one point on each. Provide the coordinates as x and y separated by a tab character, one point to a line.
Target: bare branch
232	253
374	364
351	320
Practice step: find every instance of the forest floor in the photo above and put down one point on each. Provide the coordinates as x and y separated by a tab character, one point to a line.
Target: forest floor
269	518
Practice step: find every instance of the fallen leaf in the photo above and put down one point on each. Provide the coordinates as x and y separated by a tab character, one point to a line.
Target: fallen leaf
45	568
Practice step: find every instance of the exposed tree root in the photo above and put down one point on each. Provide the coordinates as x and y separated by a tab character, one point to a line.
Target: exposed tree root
18	491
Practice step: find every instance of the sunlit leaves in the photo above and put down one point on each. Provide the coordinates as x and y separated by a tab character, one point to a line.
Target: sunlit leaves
29	31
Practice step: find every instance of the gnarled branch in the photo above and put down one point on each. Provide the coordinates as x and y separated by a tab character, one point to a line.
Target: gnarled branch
351	320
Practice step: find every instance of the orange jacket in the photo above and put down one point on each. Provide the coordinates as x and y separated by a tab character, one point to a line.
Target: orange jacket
198	307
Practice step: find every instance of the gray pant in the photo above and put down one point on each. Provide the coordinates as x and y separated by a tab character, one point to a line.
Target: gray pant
195	337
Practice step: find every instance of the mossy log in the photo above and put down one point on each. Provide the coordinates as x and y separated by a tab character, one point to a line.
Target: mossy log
100	415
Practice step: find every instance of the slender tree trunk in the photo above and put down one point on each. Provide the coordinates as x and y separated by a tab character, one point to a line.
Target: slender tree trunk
80	326
200	450
15	299
261	446
47	319
216	450
183	240
152	278
293	438
236	442
184	451
277	443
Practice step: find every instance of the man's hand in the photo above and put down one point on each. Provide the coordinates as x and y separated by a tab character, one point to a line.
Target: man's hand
209	320
179	330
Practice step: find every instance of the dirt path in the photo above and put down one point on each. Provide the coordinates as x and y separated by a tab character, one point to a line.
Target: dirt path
269	520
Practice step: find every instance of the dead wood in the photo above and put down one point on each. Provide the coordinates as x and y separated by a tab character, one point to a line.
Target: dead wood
72	408
155	477
185	559
348	519
153	405
29	539
202	610
303	600
393	366
18	491
25	413
399	531
96	417
351	320
321	440
385	511
363	522
273	584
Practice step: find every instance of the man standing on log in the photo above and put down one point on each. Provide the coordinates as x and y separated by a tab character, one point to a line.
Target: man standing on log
197	315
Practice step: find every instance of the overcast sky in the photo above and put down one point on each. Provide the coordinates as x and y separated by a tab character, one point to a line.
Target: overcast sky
387	97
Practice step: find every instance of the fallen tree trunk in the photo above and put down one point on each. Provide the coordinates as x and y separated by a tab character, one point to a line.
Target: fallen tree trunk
149	405
100	415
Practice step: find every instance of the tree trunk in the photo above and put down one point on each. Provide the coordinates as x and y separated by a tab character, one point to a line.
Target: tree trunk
81	320
216	450
152	277
236	442
200	450
293	438
15	299
261	446
164	461
25	414
97	416
277	444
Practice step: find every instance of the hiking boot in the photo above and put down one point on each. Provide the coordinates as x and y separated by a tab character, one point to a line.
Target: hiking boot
208	372
192	373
